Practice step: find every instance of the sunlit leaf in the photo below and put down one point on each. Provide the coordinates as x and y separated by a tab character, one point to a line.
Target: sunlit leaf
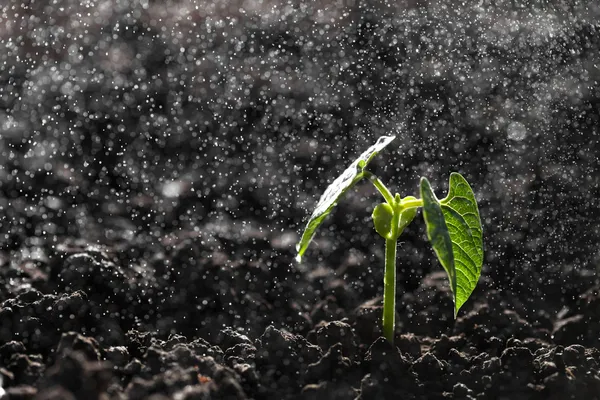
464	226
337	189
454	229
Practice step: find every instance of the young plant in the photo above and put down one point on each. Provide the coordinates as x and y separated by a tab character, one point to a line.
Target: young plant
453	228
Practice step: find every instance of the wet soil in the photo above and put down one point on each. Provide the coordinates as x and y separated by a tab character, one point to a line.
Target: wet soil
158	161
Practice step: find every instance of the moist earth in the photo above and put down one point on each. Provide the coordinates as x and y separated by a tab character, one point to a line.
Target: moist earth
158	162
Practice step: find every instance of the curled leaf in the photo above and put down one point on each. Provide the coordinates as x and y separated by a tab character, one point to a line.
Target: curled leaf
464	226
454	230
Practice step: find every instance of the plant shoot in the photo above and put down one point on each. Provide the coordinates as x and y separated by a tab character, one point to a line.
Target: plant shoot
453	228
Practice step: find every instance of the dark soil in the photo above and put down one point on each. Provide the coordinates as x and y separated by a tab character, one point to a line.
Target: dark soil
158	162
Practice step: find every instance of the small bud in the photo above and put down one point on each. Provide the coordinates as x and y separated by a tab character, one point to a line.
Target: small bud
382	219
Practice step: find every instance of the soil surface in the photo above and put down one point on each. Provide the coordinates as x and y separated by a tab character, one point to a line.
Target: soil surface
158	161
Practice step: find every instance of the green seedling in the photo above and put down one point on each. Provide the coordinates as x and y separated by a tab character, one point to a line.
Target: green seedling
453	228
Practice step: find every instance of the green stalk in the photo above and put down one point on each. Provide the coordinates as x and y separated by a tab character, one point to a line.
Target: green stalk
389	281
391	243
389	290
412	204
387	195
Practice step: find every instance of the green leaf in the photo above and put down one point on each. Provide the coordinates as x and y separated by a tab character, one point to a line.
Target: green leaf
336	190
464	226
454	229
382	219
406	216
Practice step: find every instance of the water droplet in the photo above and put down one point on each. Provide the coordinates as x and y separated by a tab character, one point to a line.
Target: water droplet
516	131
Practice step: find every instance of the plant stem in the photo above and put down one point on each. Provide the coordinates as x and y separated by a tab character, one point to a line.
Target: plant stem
391	243
411	204
387	195
389	290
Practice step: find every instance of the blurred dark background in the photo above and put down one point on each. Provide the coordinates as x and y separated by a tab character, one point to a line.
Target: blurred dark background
123	120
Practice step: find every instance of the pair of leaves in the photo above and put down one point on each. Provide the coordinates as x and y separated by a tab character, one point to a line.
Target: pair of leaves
383	215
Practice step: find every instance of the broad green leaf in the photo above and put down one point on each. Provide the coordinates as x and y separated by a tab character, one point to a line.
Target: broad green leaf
407	216
337	189
455	219
382	219
464	226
